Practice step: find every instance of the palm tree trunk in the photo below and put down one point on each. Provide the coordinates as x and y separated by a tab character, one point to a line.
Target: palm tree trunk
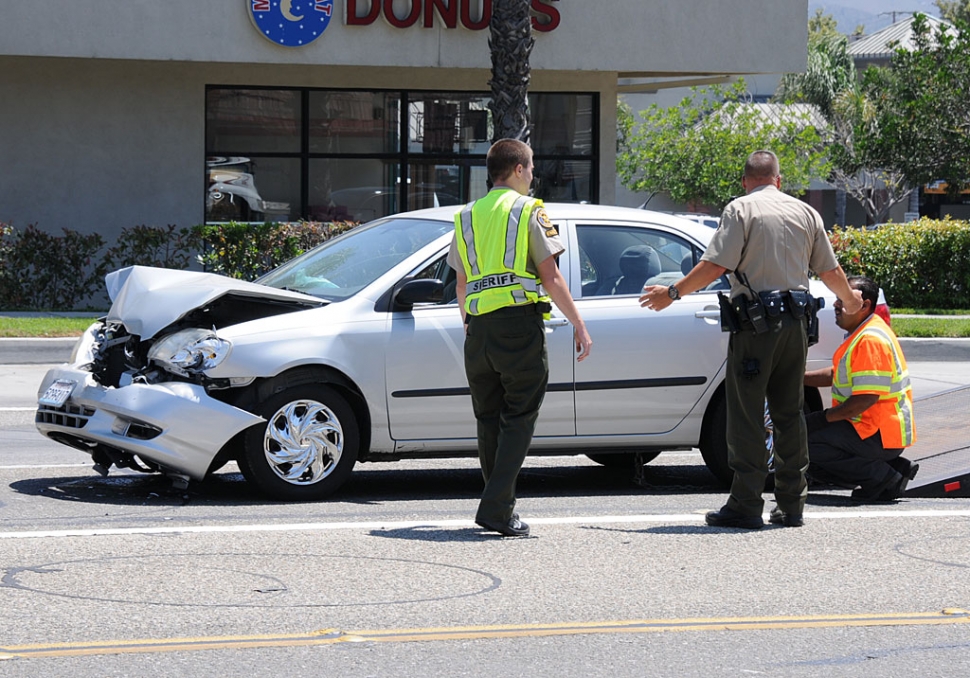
510	42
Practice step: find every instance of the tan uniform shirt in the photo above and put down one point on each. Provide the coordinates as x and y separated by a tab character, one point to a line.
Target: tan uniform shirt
544	242
773	239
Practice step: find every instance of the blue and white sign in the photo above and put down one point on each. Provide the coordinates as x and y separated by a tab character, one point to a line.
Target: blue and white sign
291	23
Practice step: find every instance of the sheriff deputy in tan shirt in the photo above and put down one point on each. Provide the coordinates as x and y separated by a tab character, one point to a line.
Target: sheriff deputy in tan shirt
771	241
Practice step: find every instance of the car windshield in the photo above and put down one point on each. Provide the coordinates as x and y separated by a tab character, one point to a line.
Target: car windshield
341	267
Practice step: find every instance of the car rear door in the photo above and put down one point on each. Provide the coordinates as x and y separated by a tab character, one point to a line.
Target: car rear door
647	369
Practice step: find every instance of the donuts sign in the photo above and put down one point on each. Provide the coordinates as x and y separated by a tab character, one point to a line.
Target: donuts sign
473	15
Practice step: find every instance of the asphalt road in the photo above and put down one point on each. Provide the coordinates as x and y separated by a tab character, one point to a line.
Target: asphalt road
122	576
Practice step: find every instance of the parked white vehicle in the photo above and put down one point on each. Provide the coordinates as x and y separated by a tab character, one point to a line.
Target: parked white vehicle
353	352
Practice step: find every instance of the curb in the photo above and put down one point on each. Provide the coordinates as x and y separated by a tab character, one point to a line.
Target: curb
23	351
935	350
29	351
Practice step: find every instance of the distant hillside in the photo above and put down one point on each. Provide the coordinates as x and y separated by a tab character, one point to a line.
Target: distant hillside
848	18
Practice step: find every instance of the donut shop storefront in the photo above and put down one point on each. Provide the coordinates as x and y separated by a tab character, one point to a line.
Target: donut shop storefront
178	112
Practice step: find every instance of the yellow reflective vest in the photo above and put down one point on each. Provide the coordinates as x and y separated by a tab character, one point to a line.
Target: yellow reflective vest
492	235
870	361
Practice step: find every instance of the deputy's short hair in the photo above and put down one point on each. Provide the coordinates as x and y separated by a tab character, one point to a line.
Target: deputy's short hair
762	164
504	156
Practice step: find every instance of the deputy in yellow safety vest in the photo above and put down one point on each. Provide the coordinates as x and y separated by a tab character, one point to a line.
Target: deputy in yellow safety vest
504	255
859	440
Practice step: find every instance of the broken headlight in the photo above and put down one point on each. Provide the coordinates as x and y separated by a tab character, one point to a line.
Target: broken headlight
190	351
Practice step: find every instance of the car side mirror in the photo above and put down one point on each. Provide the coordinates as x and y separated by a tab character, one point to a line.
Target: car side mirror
422	291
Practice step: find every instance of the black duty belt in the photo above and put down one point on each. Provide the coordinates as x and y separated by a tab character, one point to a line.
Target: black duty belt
520	309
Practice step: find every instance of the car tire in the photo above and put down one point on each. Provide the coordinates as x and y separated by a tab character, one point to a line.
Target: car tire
714	437
622	460
306	448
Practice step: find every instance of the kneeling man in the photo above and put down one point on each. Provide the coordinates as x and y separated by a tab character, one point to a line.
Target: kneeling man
859	440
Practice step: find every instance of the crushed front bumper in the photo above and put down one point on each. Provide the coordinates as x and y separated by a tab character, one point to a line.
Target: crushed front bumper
173	424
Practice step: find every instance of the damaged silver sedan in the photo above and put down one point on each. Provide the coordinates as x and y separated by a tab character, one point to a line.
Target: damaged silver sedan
352	352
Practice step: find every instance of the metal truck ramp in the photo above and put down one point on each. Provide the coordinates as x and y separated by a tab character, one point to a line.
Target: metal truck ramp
942	447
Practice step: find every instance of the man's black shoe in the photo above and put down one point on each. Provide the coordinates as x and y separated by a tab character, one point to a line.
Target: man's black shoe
885	492
728	517
513	528
779	517
905	467
913	468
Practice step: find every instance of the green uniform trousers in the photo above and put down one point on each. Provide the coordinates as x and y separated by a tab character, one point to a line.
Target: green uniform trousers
508	370
768	366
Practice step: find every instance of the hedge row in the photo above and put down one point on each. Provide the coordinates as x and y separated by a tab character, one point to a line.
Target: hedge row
921	264
42	271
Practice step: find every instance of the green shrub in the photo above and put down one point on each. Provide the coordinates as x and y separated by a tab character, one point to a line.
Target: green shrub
920	264
163	247
248	250
41	271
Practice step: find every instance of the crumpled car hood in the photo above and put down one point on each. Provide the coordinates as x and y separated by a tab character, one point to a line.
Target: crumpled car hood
146	300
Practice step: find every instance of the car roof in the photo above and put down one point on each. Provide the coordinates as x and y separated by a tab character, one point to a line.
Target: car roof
586	211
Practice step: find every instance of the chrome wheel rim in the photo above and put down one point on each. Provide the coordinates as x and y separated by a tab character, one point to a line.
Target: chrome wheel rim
769	438
303	442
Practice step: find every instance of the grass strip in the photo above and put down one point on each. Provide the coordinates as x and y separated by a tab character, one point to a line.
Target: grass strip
939	328
43	327
928	311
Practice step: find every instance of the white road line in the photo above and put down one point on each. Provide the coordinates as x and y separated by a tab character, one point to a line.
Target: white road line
18	409
413	524
20	467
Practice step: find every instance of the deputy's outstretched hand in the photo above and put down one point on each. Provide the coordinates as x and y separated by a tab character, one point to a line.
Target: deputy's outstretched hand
655	297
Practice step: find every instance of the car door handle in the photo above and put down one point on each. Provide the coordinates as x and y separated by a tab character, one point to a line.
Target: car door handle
553	323
708	314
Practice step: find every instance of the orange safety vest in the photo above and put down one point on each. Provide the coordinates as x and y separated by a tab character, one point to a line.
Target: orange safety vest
870	361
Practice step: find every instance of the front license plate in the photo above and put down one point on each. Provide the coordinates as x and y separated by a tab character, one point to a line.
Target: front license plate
57	393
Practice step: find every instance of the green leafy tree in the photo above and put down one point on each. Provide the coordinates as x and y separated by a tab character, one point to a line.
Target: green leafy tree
821	24
695	151
954	10
831	85
920	107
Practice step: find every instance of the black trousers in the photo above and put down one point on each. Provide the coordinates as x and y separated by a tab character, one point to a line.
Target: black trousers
838	454
508	370
768	366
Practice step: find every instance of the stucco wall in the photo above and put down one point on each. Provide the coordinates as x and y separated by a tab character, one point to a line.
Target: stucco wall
657	36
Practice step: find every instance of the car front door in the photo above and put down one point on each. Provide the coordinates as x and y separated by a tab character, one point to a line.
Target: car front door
427	392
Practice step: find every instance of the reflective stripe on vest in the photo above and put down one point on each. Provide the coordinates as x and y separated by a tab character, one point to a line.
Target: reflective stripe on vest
894	422
497	275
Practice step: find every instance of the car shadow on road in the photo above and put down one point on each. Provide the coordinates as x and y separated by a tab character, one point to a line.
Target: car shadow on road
376	485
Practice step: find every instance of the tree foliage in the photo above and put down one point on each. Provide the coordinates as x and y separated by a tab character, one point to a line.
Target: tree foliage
822	24
831	85
954	11
695	151
921	108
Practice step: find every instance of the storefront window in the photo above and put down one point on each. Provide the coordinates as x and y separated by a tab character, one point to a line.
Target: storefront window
433	184
562	124
343	189
349	155
252	189
441	122
354	122
559	180
253	120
